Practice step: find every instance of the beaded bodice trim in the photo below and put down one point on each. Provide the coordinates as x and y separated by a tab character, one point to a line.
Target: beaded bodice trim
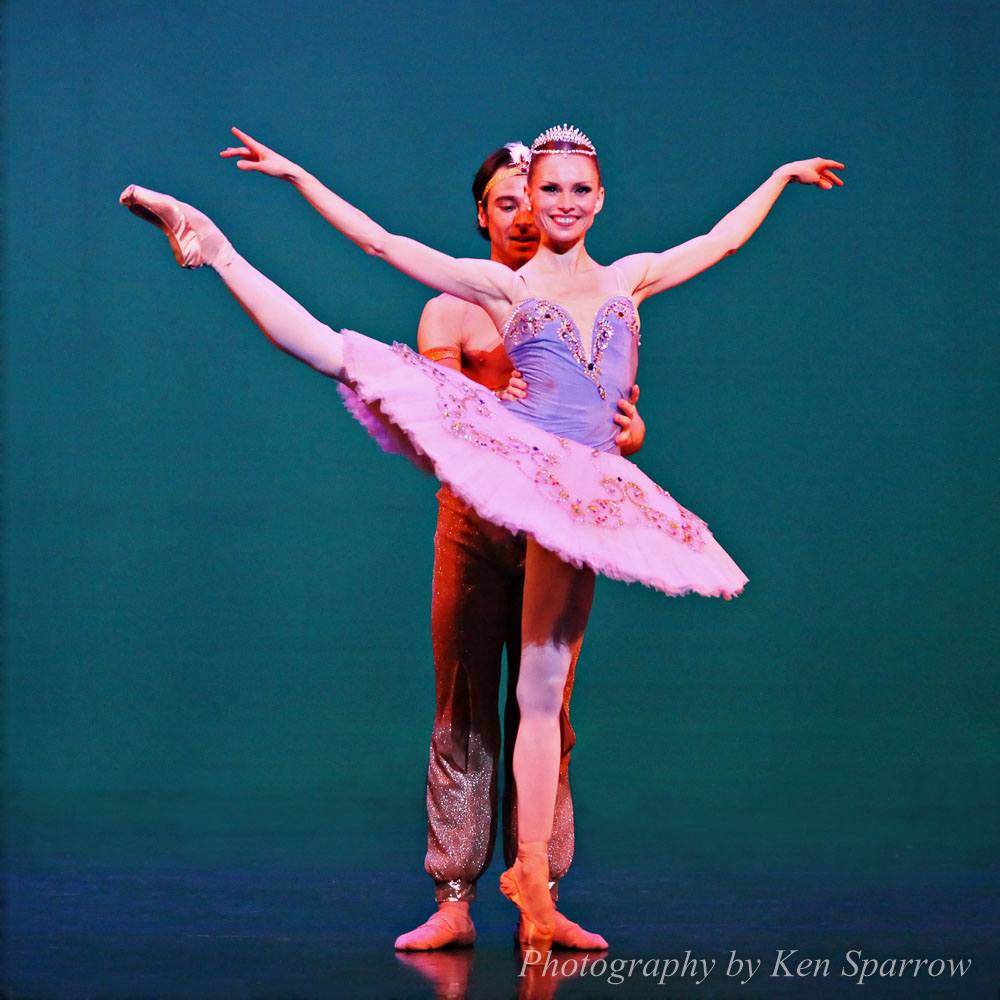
531	315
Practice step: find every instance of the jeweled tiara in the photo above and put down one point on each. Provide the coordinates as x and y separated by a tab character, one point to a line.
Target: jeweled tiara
564	133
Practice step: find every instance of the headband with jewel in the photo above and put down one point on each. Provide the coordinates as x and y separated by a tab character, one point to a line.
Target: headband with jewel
564	133
520	157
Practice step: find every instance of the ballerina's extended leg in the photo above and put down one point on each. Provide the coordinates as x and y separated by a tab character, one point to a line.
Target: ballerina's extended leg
196	241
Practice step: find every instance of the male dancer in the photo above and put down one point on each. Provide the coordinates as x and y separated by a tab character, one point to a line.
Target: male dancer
476	610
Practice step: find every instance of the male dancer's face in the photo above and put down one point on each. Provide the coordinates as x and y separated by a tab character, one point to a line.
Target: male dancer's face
507	216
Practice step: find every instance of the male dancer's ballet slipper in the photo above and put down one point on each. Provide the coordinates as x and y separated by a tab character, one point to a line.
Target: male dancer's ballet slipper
567	934
450	927
166	213
526	884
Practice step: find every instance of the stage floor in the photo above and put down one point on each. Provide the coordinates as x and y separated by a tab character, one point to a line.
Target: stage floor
142	900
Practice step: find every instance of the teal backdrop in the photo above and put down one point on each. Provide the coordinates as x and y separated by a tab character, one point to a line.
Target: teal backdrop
216	589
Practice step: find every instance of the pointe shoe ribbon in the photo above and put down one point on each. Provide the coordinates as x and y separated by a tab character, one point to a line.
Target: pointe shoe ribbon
166	213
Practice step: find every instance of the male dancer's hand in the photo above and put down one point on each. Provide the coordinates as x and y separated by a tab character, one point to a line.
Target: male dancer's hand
633	427
516	389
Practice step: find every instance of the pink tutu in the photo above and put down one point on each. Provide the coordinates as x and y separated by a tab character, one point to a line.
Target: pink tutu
591	508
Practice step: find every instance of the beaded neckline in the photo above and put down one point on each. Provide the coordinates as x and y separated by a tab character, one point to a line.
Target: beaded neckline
601	316
529	315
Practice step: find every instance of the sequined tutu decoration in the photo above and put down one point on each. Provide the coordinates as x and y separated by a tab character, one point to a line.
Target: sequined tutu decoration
592	508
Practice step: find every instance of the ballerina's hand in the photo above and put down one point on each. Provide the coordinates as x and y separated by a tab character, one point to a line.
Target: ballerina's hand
817	171
254	155
516	389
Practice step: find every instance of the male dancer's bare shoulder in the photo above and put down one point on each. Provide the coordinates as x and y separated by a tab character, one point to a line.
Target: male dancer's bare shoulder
462	336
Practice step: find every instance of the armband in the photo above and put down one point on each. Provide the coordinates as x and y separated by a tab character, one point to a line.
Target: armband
443	354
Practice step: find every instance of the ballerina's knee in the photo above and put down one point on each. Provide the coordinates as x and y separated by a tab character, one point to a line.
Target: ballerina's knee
542	681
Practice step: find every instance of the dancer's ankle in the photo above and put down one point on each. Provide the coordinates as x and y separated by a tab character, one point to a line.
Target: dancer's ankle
216	251
223	256
532	850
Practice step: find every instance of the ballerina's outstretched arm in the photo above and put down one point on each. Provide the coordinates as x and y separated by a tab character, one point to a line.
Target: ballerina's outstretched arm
650	273
484	282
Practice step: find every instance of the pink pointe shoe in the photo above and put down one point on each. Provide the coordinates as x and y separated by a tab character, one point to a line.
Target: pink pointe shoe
526	884
166	213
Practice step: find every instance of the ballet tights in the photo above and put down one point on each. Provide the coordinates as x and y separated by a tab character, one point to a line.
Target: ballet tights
557	599
288	325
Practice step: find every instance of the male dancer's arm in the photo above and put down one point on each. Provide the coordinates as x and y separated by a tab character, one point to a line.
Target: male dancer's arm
439	335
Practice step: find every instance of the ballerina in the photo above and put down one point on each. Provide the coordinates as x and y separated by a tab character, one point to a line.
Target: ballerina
546	465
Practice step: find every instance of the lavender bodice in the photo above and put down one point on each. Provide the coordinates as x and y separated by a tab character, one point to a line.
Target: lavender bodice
570	394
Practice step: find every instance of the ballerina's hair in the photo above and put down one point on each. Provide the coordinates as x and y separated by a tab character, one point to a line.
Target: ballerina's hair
564	139
508	161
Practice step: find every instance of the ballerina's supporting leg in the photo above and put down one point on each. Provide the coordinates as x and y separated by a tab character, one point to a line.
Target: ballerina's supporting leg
557	600
196	240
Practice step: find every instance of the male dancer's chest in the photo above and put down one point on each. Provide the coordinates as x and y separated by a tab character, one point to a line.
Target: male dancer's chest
483	358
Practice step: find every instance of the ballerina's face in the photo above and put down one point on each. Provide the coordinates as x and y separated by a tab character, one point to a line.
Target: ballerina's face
566	194
507	216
